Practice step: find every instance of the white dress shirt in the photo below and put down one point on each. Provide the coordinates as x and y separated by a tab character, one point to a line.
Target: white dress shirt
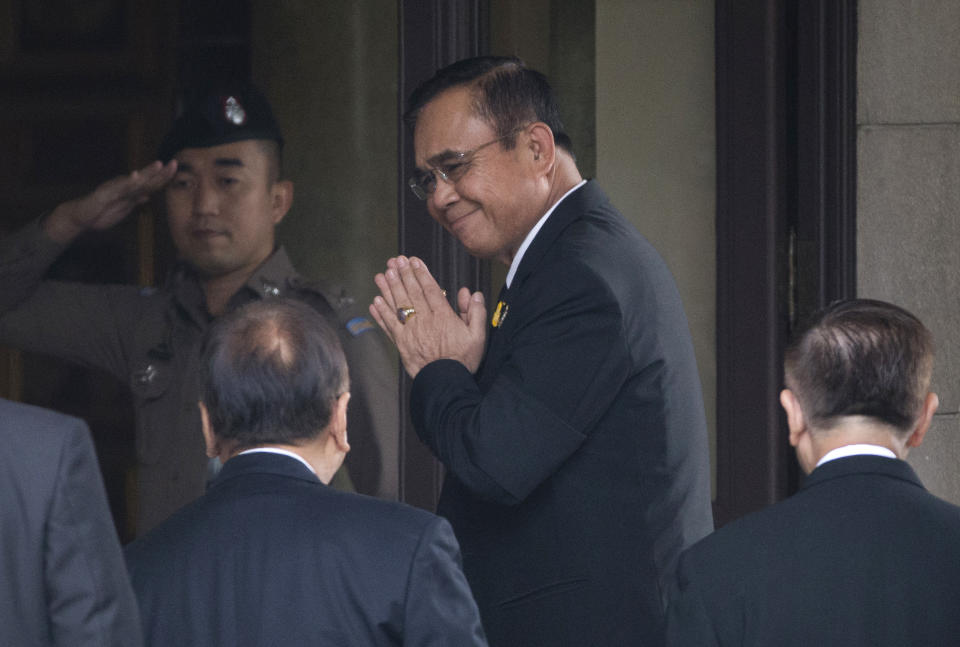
861	449
277	450
533	234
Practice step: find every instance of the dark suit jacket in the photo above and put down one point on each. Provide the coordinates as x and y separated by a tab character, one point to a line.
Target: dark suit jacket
271	556
577	455
862	555
62	578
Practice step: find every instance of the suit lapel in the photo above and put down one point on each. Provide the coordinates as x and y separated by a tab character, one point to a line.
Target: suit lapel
569	210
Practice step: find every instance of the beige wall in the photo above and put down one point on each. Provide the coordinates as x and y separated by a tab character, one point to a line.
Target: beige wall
555	37
656	147
908	204
330	69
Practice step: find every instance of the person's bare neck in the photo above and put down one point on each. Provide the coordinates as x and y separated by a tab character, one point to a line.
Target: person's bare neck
857	430
565	176
318	452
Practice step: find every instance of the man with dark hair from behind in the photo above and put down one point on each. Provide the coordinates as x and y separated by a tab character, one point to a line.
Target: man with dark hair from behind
270	555
862	554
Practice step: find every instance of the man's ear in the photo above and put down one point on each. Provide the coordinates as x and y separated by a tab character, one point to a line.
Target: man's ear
541	145
281	199
338	427
209	438
801	438
795	419
930	405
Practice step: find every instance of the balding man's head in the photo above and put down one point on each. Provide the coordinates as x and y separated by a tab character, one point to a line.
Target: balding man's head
274	370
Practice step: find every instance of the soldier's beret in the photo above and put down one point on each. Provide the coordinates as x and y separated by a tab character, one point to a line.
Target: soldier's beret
221	115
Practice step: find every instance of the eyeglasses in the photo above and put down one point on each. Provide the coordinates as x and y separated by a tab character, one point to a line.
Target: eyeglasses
425	182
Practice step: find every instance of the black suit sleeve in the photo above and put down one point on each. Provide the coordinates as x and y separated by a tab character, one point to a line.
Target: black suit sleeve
440	609
90	600
563	363
688	623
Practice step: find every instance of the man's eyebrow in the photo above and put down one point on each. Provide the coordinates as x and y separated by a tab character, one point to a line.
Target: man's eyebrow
229	161
444	156
184	167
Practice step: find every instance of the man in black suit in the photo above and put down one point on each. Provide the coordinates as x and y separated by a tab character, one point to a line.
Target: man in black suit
270	555
62	578
862	554
575	443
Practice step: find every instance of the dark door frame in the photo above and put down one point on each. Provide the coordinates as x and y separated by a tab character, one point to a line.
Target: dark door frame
786	202
433	34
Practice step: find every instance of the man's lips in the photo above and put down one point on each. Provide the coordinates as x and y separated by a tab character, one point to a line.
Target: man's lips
206	234
454	222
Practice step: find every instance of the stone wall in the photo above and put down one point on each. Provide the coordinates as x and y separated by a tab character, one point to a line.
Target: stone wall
908	204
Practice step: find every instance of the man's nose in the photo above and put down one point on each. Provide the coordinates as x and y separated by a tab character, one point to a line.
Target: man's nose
444	192
205	199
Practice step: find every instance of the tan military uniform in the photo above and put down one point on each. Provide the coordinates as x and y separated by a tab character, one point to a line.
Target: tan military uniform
151	340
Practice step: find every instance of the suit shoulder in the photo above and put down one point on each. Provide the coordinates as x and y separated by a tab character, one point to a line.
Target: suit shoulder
393	525
389	512
944	516
740	538
609	242
37	445
20	418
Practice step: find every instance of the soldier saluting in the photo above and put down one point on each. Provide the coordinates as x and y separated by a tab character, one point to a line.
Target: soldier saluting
220	170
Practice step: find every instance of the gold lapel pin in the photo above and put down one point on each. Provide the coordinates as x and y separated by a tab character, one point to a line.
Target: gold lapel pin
499	314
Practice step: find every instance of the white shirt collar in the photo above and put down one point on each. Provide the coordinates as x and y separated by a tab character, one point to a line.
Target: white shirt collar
855	450
282	452
533	232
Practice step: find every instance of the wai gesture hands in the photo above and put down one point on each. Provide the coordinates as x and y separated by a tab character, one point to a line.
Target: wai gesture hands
414	313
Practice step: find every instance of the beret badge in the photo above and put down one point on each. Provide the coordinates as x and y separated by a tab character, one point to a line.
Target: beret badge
234	112
222	114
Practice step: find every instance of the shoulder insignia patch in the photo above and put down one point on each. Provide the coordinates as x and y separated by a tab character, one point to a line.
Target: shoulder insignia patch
359	325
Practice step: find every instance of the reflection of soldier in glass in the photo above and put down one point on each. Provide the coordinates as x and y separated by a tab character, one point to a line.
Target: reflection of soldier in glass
224	197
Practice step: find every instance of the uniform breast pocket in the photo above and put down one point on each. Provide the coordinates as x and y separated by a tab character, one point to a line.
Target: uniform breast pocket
150	384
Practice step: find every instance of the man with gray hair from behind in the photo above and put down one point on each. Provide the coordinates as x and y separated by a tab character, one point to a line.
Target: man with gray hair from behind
862	554
270	555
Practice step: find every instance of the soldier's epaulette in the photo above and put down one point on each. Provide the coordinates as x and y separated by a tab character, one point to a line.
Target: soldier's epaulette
340	301
299	283
338	298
